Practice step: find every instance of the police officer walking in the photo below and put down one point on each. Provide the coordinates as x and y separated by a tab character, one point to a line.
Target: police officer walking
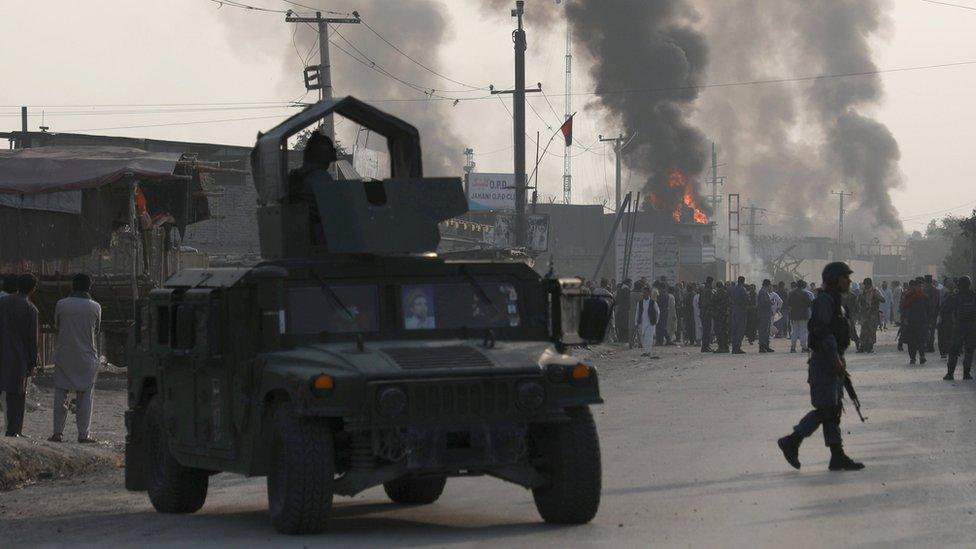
961	306
829	338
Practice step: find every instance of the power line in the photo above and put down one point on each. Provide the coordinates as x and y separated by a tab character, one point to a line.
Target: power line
190	123
950	4
150	111
233	4
418	63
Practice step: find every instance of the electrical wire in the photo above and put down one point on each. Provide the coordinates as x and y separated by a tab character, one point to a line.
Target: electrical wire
150	111
188	123
239	5
418	63
949	4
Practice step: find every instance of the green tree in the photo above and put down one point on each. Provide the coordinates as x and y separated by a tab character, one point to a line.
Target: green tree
960	233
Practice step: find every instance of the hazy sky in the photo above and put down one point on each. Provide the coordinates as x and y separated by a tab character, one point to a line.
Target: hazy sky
76	59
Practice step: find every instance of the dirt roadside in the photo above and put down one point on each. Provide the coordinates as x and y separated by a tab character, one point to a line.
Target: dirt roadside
25	461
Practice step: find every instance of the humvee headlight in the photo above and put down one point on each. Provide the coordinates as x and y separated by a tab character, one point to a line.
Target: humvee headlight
392	402
530	395
323	383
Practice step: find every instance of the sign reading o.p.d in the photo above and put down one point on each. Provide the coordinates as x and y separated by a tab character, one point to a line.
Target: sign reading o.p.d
491	191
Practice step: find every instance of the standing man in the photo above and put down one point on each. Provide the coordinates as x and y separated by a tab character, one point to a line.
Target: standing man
720	317
887	305
946	318
647	320
783	324
661	289
77	319
18	350
869	304
932	295
800	299
705	299
622	312
896	293
740	305
829	339
962	308
764	315
915	320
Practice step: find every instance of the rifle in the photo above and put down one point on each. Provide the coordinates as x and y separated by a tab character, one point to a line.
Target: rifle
849	385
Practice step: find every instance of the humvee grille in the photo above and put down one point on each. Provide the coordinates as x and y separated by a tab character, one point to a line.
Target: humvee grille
456	356
457	400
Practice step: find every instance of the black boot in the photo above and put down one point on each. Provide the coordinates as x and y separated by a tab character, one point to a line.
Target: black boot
839	461
790	445
966	374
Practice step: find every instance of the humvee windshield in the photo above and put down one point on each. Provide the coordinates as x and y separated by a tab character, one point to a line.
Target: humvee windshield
478	302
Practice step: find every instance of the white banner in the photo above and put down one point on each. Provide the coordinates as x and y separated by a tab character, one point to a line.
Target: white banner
641	256
666	258
491	191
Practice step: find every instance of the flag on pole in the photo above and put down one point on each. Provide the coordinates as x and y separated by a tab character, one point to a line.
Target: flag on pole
567	129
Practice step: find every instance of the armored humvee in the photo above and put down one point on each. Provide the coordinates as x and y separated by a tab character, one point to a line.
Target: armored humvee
353	356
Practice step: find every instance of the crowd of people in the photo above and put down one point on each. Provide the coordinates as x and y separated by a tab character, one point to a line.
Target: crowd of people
720	317
77	320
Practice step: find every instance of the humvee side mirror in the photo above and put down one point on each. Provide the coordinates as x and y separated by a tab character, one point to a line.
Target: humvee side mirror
594	319
576	318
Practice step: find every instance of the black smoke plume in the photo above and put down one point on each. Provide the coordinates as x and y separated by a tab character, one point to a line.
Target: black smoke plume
786	146
639	45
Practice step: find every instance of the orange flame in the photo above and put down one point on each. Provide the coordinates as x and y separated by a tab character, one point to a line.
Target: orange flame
678	181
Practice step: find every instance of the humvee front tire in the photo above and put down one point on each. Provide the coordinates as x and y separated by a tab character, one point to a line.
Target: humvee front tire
172	487
571	452
300	479
415	491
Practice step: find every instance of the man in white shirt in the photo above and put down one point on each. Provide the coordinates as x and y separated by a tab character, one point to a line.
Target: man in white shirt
646	320
77	319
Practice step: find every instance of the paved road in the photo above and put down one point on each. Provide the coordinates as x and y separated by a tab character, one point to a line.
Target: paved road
689	460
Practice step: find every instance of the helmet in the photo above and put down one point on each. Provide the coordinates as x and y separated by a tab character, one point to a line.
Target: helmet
965	282
833	271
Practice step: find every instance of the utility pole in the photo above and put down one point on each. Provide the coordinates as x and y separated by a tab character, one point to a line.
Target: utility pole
840	221
469	166
518	107
619	143
320	77
715	200
733	268
752	221
567	153
24	134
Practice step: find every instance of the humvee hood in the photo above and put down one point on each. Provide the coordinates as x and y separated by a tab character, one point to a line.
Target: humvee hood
403	358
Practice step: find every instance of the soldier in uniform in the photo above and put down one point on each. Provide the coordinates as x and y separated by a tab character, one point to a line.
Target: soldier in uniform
869	308
720	318
740	304
947	319
961	306
829	338
705	298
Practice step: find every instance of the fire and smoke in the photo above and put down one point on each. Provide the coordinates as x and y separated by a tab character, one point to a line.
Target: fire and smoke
650	45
